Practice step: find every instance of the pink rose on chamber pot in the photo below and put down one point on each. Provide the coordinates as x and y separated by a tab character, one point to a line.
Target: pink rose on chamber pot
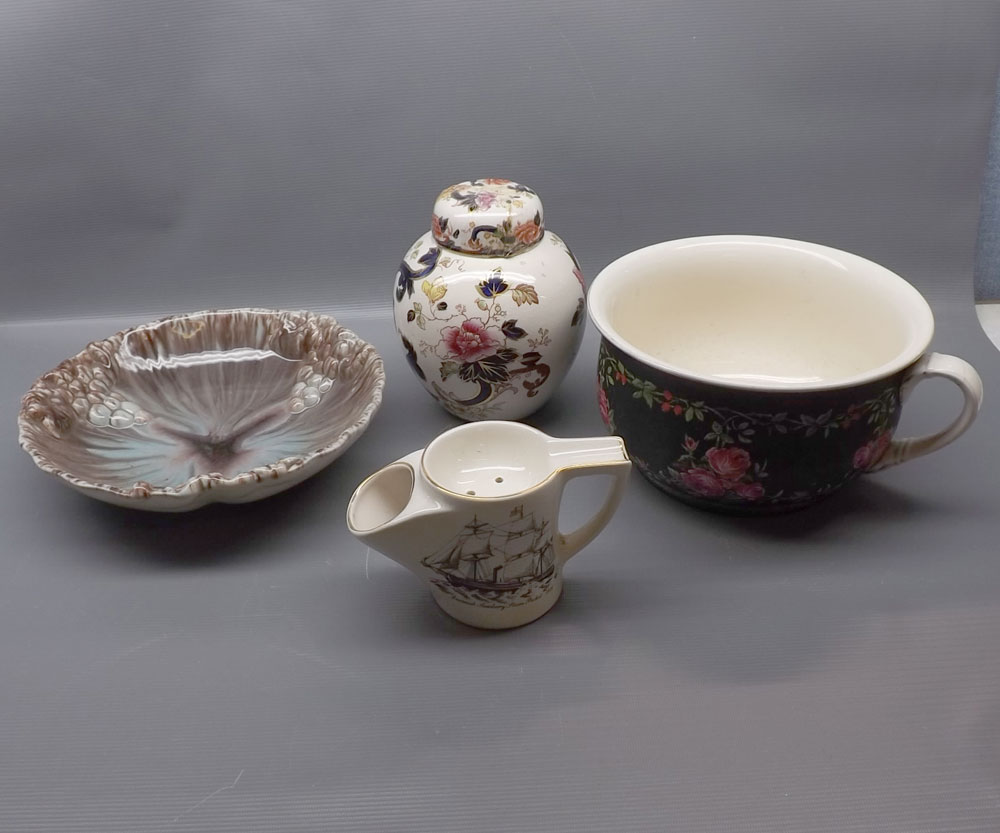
862	457
749	491
871	452
602	403
728	463
726	473
703	482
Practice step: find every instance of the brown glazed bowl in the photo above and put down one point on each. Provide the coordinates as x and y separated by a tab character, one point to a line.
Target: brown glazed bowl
754	374
224	405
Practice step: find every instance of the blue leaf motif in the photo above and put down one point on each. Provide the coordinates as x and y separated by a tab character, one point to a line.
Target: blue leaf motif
490	370
492	286
411	357
406	276
511	330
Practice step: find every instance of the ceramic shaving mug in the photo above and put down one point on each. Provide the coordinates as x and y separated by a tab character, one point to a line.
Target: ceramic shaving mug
755	374
476	516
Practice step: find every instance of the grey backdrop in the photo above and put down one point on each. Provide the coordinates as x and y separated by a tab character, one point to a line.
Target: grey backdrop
254	668
986	278
159	155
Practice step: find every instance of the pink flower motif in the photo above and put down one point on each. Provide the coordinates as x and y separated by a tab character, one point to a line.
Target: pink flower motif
579	276
527	233
602	403
871	452
485	199
703	482
436	229
749	491
469	342
690	443
728	463
880	446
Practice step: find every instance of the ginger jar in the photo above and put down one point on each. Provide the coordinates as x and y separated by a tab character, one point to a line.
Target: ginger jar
489	304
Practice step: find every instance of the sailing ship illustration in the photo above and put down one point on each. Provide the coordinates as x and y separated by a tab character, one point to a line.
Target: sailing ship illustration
489	562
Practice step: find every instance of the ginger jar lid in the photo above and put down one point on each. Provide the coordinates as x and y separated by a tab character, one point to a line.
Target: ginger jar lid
494	217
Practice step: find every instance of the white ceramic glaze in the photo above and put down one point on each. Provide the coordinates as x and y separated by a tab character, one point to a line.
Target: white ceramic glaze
489	304
761	313
475	515
224	405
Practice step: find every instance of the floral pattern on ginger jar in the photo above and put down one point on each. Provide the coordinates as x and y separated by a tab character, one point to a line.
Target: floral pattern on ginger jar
489	304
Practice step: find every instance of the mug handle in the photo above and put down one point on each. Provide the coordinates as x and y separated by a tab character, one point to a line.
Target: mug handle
611	460
962	374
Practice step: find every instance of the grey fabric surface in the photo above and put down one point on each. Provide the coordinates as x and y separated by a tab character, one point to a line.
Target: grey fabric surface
256	669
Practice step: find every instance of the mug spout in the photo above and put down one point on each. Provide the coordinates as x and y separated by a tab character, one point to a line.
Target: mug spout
385	507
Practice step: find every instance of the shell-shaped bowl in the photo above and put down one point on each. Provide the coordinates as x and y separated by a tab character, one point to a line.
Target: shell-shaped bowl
221	405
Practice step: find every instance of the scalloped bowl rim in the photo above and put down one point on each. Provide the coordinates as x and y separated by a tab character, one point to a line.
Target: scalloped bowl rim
203	489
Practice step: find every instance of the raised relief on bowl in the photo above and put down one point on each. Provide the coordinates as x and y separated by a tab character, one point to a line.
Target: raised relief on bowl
221	405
